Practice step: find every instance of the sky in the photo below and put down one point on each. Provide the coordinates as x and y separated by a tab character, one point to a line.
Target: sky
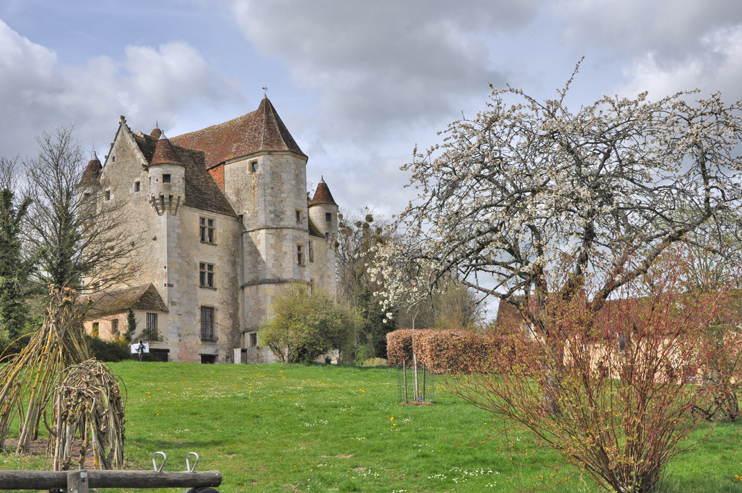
359	84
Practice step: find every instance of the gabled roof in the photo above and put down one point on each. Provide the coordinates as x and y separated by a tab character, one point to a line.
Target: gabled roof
144	297
260	130
322	195
201	191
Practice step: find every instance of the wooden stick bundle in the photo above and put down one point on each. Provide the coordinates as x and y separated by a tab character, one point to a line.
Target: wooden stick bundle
89	401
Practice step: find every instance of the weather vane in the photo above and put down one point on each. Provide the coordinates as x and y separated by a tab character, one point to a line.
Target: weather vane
265	91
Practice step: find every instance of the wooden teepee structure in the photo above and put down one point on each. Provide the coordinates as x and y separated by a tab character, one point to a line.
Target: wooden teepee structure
29	378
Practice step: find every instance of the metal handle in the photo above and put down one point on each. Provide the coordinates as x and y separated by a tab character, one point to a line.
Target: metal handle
154	461
188	464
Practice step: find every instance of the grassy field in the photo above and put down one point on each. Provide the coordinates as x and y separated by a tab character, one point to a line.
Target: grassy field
283	428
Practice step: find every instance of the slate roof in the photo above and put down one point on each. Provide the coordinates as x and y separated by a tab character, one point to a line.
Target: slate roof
260	130
201	191
314	230
164	152
144	297
92	171
322	195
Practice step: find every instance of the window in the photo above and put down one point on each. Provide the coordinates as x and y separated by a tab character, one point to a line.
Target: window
252	339
114	326
107	194
311	252
96	330
253	166
328	217
159	354
299	255
207	323
150	332
207	230
208	359
166	178
137	186
206	275
298	217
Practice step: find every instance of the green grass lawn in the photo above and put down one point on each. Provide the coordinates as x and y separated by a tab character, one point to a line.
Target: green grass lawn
283	428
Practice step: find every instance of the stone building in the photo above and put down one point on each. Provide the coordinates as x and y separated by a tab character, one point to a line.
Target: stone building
223	220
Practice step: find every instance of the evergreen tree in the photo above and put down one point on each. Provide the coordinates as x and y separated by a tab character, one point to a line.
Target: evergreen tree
131	326
14	269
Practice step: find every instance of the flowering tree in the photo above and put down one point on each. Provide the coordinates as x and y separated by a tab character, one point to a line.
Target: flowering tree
558	214
607	189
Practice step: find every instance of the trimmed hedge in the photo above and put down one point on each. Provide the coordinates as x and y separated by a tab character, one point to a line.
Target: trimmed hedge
108	351
451	351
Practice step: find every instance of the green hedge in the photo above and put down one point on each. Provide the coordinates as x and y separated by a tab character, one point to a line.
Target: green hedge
108	350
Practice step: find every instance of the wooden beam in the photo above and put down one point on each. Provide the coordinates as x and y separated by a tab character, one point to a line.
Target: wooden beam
77	482
46	480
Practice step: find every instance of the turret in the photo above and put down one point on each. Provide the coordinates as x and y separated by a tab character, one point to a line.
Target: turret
166	178
89	183
323	210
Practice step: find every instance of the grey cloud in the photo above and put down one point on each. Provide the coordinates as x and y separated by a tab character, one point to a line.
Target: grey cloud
148	84
376	64
717	67
668	28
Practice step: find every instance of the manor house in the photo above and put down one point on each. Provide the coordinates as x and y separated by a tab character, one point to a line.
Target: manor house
223	220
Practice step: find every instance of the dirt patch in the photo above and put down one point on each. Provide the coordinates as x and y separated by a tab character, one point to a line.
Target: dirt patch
337	456
41	447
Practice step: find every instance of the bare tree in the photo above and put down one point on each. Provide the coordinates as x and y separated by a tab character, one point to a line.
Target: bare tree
80	239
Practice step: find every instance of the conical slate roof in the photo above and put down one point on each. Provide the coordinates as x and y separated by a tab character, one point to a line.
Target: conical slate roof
322	195
260	130
164	152
92	171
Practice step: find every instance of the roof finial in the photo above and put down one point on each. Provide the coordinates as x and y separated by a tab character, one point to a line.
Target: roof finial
322	179
265	92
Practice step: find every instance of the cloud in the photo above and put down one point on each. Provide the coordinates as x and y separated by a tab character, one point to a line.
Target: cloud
377	64
670	29
717	66
37	92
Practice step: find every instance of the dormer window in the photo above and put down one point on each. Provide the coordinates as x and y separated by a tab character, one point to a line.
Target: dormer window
166	178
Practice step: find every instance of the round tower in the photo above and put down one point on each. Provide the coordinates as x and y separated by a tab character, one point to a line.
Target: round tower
166	178
323	211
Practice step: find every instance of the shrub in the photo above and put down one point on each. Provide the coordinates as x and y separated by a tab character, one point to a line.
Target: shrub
304	325
451	351
109	351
